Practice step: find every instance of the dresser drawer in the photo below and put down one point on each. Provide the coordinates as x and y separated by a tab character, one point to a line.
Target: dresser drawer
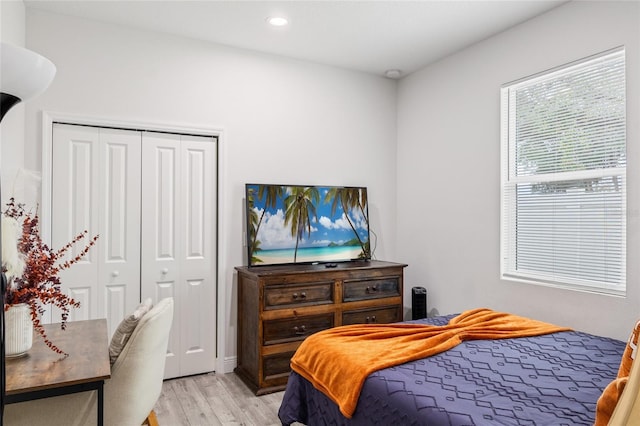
277	367
371	289
292	329
280	296
382	315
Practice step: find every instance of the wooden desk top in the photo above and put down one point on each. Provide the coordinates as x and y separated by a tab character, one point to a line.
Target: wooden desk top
88	360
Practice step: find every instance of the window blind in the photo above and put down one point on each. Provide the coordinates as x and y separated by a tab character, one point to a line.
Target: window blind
564	176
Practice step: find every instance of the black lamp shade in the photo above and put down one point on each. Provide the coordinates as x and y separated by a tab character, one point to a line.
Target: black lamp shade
7	101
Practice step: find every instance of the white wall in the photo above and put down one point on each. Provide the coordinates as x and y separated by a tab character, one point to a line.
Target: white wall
449	167
284	121
12	30
291	121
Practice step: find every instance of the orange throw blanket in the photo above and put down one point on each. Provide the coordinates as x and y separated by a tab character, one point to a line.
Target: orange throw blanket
338	360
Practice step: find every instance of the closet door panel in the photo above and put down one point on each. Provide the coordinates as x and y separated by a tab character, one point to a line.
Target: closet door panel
178	247
166	202
162	290
96	187
75	153
119	211
198	254
80	294
115	304
160	206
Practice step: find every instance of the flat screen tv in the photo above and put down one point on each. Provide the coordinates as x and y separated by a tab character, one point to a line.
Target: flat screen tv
289	224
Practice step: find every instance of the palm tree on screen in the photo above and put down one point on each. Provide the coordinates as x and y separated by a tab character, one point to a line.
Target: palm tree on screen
270	193
253	227
299	211
350	199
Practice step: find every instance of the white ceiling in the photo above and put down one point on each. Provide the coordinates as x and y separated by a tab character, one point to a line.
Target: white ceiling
368	36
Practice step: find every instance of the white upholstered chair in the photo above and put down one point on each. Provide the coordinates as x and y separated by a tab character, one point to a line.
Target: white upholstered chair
627	411
129	395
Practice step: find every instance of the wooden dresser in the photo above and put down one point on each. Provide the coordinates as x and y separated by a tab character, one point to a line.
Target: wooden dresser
279	306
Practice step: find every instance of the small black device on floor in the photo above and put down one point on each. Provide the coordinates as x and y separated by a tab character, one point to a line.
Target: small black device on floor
418	303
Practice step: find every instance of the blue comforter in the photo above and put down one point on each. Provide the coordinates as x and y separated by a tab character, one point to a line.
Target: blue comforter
554	379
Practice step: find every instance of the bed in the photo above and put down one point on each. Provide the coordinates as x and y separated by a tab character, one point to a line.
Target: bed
552	379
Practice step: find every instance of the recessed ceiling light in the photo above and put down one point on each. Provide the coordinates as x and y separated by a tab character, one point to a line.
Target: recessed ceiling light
393	73
277	21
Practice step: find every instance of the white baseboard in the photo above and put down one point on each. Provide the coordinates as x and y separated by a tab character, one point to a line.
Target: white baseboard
230	363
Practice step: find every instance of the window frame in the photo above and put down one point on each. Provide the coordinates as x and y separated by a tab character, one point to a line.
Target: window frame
509	182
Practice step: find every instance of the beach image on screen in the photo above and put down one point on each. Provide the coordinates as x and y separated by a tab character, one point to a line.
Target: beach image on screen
306	224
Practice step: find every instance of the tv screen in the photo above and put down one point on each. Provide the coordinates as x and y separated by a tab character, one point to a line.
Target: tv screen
306	224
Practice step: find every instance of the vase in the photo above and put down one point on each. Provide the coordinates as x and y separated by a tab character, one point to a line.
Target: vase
18	332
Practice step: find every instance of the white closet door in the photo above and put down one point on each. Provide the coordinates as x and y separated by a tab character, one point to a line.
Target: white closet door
178	250
198	295
96	187
75	154
119	215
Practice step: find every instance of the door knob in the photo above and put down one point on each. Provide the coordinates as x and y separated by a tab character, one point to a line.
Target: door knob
115	273
165	271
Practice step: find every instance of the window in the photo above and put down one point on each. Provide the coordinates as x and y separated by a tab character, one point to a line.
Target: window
564	176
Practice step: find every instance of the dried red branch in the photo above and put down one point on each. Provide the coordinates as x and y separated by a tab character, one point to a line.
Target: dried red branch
40	284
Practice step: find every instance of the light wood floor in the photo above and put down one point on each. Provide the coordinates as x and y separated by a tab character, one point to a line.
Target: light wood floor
215	399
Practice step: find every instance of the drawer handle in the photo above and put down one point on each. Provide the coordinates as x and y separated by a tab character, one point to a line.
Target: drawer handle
371	289
302	295
300	330
370	320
